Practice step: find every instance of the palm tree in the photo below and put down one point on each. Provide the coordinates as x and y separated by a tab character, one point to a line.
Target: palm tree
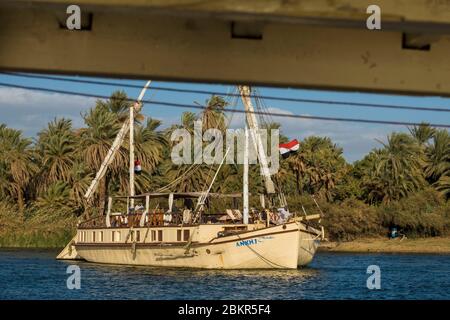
298	165
422	133
96	140
57	147
190	177
80	179
186	177
54	208
5	181
16	155
318	166
57	196
150	147
213	116
150	144
436	155
103	123
437	167
118	104
397	169
443	185
55	127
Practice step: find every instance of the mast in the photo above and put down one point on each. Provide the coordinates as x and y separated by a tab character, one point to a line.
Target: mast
115	146
131	134
254	131
245	178
135	107
108	159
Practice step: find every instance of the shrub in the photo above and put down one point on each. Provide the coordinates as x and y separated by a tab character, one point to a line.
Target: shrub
351	219
425	213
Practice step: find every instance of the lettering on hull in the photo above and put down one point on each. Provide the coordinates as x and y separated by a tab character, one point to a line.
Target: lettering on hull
251	242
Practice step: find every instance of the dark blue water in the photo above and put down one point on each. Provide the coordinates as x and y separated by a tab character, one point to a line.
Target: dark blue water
35	274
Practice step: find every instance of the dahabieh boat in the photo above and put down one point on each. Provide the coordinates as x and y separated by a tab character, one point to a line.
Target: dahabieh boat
177	233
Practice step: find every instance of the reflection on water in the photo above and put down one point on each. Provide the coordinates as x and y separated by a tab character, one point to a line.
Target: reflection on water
35	274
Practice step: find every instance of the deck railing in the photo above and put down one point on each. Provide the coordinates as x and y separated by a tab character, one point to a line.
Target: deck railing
153	219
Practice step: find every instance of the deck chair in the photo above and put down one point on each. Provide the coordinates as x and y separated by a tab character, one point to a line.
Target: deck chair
224	218
238	214
231	214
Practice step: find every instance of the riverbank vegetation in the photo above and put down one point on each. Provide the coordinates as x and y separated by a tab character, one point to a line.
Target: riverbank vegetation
403	183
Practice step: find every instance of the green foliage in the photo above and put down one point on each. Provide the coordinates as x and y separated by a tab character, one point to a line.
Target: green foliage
17	164
437	164
349	187
318	166
46	229
405	182
425	213
351	219
56	150
395	171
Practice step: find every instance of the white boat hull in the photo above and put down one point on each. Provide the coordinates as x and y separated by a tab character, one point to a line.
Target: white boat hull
282	246
309	240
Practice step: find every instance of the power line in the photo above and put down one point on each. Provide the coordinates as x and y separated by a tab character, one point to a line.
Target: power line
191	106
209	92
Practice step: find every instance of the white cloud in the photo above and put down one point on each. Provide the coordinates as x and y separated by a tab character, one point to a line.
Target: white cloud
30	111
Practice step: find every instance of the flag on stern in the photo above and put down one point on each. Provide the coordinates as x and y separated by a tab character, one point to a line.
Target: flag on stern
287	148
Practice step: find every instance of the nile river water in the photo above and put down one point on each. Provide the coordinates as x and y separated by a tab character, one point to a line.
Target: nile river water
35	274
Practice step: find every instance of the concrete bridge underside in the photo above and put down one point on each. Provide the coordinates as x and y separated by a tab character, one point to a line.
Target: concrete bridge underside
320	44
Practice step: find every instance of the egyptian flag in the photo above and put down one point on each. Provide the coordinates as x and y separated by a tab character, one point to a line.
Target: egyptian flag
137	167
290	147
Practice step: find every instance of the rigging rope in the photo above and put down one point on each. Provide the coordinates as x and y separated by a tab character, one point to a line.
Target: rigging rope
183	175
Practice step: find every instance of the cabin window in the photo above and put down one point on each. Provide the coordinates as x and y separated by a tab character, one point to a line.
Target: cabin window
160	235
153	235
93	236
186	235
138	236
100	236
178	235
116	236
135	235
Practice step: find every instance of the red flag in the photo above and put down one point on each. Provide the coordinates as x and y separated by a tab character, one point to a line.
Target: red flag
290	147
137	166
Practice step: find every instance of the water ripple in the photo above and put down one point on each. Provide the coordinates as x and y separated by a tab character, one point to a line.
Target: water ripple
35	274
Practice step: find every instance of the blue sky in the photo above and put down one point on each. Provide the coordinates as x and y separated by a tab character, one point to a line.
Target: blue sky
31	110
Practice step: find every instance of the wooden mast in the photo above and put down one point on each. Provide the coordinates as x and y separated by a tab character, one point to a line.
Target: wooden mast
135	107
254	131
108	159
245	178
115	147
131	168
